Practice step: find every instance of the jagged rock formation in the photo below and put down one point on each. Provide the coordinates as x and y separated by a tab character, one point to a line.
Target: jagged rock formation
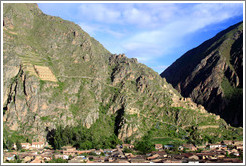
212	74
89	86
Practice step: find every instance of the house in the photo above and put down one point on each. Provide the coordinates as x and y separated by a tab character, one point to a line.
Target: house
37	159
158	146
201	147
213	157
127	146
234	151
160	153
236	154
110	159
239	147
153	157
129	155
181	148
97	152
8	155
68	148
115	154
168	146
65	157
72	153
28	159
26	154
214	146
83	151
187	155
14	146
220	156
139	159
190	147
223	147
78	159
25	145
237	142
108	150
10	158
193	157
47	158
227	142
205	155
99	159
38	145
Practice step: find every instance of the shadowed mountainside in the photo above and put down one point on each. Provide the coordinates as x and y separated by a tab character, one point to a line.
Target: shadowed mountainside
212	74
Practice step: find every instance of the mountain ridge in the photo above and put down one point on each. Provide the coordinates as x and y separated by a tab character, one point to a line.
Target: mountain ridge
212	64
55	74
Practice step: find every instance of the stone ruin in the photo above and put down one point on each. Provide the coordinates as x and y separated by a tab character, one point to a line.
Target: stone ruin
45	73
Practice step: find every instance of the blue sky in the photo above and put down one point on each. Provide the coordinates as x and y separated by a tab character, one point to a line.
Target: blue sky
154	33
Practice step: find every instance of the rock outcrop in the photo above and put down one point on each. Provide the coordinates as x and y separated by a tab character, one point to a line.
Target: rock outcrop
212	74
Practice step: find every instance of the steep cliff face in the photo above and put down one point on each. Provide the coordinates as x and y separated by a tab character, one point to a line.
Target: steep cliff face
56	74
212	74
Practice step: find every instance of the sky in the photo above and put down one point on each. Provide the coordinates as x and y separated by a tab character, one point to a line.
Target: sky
155	33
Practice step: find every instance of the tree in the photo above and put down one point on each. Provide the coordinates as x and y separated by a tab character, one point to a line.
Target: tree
4	145
18	145
145	145
9	143
29	140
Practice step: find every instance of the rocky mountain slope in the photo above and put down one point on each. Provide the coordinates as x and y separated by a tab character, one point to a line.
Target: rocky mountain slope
212	74
56	74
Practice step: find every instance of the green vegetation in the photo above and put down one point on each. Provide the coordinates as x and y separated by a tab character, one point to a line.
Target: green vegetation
127	150
228	89
18	145
45	118
81	138
13	137
168	141
41	84
145	145
74	109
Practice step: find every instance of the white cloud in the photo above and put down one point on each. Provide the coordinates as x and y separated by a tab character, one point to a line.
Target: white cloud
151	44
99	12
151	31
95	28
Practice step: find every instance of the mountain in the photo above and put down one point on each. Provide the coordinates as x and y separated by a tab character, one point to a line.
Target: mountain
212	74
57	76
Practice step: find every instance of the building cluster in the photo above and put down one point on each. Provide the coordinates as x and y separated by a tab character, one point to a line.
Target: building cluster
225	152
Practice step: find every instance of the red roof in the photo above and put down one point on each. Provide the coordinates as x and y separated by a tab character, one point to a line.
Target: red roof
37	143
